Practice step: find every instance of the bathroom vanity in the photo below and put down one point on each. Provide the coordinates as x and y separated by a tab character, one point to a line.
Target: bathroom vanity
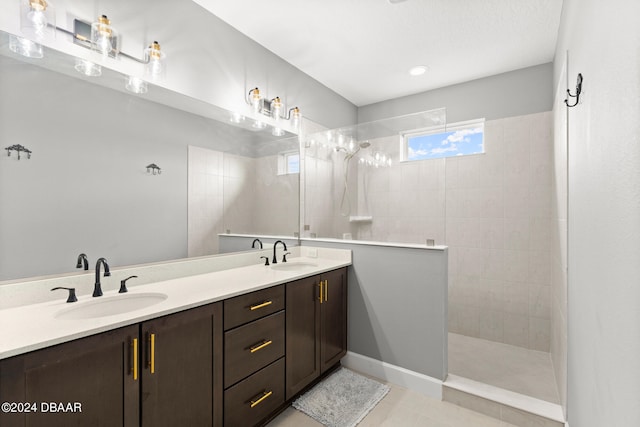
231	347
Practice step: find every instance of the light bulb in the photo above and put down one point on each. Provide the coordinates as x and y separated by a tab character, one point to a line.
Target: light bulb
104	44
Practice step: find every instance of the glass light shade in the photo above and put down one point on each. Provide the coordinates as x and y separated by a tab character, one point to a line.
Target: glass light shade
276	107
136	85
295	116
154	57
88	68
37	19
25	47
255	98
104	38
277	131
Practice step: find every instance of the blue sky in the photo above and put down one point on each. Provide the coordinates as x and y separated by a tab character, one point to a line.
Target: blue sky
446	144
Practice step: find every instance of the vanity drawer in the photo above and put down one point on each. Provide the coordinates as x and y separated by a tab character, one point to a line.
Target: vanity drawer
252	346
252	400
246	308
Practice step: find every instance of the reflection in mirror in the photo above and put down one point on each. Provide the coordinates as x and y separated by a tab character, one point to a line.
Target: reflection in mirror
87	189
358	187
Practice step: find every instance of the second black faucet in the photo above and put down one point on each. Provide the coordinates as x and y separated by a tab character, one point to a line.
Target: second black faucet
284	258
97	289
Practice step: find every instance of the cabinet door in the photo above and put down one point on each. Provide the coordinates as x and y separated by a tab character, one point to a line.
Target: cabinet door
96	372
302	334
333	339
182	367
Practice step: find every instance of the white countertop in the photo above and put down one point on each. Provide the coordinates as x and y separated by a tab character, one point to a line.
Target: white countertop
34	326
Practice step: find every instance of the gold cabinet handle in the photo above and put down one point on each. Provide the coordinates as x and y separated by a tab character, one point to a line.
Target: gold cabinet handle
326	290
262	304
320	298
258	399
152	353
260	346
134	362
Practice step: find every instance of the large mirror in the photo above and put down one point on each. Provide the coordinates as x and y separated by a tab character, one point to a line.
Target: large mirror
88	186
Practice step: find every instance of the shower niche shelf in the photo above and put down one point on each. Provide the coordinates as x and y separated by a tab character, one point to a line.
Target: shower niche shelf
362	219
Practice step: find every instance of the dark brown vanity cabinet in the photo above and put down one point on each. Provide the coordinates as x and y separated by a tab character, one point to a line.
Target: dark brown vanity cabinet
99	372
158	373
254	350
181	368
316	327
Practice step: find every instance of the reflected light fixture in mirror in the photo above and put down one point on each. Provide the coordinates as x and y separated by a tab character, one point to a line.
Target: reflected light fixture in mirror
255	99
277	131
37	18
276	107
88	68
236	118
136	85
25	47
155	60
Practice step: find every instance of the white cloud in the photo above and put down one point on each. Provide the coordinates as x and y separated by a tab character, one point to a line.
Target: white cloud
453	147
461	136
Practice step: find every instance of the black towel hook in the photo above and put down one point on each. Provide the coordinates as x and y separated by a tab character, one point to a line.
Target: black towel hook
578	91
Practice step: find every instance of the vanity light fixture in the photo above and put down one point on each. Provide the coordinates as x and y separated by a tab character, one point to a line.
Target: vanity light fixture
37	18
236	118
272	108
136	85
277	131
37	21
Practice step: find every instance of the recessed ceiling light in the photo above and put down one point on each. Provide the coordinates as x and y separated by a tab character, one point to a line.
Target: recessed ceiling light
418	70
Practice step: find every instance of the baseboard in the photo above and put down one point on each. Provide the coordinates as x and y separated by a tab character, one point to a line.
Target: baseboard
423	384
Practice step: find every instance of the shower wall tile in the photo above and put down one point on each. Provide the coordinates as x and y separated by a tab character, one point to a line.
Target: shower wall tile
498	228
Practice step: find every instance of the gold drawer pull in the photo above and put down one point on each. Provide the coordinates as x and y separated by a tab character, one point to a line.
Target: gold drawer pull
260	346
326	290
134	353
320	298
256	401
152	351
263	304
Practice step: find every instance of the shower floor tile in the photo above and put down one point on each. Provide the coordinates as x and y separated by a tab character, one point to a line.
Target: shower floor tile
517	369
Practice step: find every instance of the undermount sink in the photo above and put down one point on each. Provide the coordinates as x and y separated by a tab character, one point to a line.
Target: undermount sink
293	265
109	306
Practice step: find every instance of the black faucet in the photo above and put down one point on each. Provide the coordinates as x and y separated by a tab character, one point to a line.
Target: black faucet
253	245
275	261
97	290
82	259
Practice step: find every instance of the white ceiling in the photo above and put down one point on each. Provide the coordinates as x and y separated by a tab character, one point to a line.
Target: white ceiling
363	49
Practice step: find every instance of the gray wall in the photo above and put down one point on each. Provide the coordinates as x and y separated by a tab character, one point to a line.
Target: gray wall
515	93
397	305
602	40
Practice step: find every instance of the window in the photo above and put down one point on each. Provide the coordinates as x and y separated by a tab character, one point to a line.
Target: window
289	163
458	139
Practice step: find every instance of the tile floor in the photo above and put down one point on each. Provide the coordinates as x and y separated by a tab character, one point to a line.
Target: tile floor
513	368
403	408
